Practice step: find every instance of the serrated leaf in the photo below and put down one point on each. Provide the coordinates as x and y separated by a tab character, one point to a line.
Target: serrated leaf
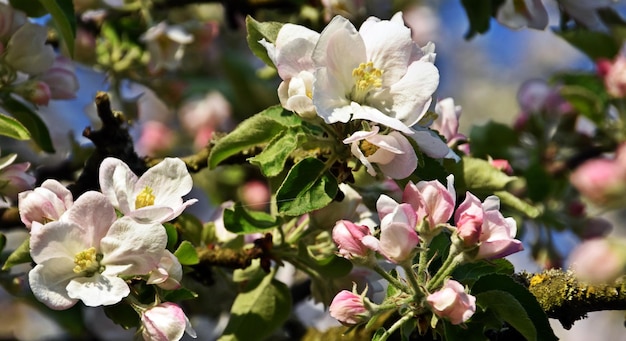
62	12
187	254
272	159
492	139
257	312
468	273
509	309
525	298
241	221
13	128
27	117
307	187
256	130
21	255
261	30
508	199
479	176
592	43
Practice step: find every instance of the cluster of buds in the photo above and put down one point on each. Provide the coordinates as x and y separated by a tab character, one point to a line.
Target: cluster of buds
406	231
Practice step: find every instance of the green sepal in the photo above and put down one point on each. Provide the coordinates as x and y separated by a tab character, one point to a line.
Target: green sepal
21	255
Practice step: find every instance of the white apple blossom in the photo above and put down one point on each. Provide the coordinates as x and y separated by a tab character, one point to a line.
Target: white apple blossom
393	153
82	255
27	50
156	196
166	45
377	73
291	54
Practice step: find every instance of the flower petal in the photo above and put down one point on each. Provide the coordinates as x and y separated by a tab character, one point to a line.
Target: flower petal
98	290
117	182
131	248
93	212
48	281
169	181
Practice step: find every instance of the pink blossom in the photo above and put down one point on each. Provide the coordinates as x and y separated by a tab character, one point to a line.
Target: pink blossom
256	195
61	78
168	273
502	165
13	177
452	302
614	74
398	237
598	260
165	322
431	201
393	153
496	234
155	137
348	237
447	122
349	308
45	203
602	180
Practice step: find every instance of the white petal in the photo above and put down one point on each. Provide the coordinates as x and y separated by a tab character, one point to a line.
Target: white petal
389	46
430	143
48	282
131	248
93	212
362	135
329	98
58	239
169	181
117	183
364	112
98	290
403	164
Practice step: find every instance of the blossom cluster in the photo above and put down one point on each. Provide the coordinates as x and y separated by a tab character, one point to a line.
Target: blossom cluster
30	67
479	231
84	252
376	76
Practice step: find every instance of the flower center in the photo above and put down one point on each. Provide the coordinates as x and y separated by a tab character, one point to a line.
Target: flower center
144	198
87	261
367	148
366	77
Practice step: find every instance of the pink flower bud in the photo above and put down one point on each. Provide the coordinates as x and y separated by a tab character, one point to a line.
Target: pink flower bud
603	181
598	260
155	137
256	195
347	235
469	220
452	302
45	203
13	177
502	165
39	94
614	74
431	200
447	122
165	322
61	78
398	237
349	308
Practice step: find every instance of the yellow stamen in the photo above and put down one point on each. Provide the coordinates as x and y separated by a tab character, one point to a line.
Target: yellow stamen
367	148
144	198
86	261
366	77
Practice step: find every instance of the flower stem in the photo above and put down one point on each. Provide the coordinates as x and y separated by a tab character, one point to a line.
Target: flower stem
454	259
396	326
393	281
413	280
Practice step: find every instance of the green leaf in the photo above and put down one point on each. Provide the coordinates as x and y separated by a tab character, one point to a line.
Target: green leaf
492	139
594	44
181	294
525	298
37	128
187	254
508	199
258	311
508	308
468	273
13	128
62	12
32	8
479	176
479	14
307	187
260	30
469	332
172	235
241	221
272	159
258	129
21	255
